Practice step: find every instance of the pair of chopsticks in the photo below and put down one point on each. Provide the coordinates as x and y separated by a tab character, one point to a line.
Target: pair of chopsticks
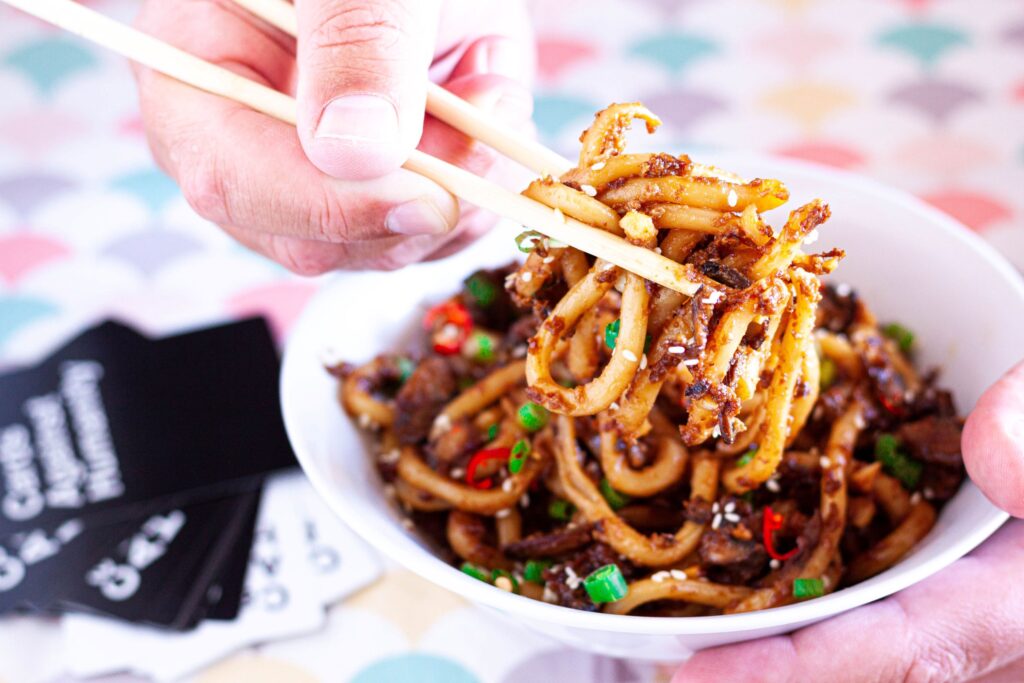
459	114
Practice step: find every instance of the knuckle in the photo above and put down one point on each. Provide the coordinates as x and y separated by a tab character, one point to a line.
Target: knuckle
377	25
327	220
204	187
302	258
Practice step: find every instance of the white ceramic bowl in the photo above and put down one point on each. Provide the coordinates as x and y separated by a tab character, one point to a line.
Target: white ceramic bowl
910	262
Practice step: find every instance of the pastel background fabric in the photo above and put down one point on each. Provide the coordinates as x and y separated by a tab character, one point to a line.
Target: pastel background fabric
927	96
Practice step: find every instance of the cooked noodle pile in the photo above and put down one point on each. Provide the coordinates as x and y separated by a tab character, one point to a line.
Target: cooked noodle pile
579	435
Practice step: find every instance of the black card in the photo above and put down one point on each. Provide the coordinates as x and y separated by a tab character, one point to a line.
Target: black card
162	569
115	430
114	420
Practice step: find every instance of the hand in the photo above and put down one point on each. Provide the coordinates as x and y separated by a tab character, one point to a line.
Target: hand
965	621
334	195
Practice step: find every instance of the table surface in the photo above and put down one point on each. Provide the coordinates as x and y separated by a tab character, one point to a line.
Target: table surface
925	96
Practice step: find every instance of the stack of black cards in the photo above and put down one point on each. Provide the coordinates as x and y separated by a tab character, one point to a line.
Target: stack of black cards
131	471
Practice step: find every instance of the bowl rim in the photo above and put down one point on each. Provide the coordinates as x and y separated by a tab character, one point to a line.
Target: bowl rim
421	561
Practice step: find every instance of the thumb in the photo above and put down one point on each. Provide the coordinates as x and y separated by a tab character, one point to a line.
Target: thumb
362	82
993	442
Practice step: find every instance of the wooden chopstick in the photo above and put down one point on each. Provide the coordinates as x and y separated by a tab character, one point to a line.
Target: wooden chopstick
198	73
452	109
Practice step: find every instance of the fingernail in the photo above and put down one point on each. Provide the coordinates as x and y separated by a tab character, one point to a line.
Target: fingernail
417	217
359	118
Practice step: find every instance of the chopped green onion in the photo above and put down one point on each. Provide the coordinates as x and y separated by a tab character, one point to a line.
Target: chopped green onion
527	241
561	510
827	373
504	580
405	369
611	333
532	417
606	584
896	462
474	571
900	335
481	289
517	458
747	457
534	570
615	499
808	588
479	346
492	432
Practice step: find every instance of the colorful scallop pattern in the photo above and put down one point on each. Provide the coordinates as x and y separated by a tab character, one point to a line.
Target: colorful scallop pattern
924	95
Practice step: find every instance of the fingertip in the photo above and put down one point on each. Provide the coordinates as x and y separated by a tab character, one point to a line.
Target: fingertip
993	442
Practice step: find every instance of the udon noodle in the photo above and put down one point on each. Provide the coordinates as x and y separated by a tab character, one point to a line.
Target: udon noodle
576	434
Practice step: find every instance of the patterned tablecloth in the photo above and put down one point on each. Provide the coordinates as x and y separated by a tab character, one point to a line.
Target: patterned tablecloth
925	96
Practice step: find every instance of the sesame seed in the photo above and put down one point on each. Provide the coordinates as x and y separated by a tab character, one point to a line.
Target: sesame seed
916	498
614	405
519	351
678	574
629	355
526	277
524	500
657	250
643	362
677	349
589	190
843	289
407	523
389	457
502	514
571	579
773	485
733	198
548	259
691	361
442	424
597	166
716	431
507	485
774	564
732	517
658	577
715	508
364	420
824	462
730	506
504	583
549	595
716	522
928	493
457	473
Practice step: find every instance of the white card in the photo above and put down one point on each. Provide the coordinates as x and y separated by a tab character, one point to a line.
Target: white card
281	601
340	560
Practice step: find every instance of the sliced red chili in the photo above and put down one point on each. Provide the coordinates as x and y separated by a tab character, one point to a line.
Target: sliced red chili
478	459
772	523
451	324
